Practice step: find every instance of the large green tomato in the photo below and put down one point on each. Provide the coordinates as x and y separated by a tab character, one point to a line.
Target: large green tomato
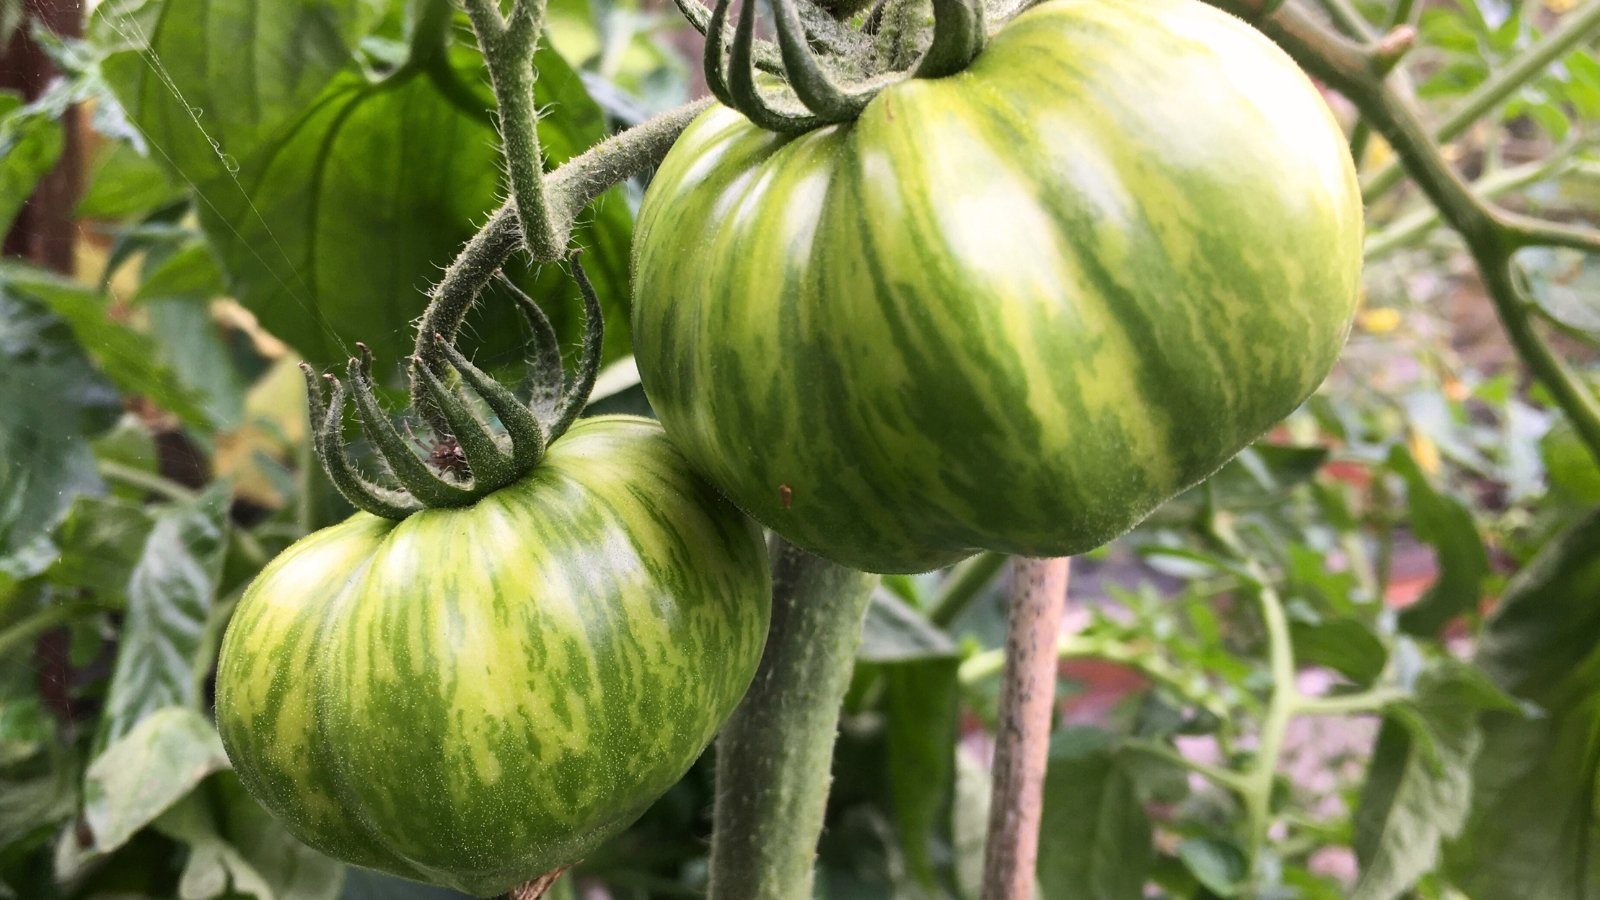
1016	308
473	697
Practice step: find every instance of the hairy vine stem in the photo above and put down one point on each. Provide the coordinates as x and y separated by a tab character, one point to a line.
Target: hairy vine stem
1492	235
567	190
774	756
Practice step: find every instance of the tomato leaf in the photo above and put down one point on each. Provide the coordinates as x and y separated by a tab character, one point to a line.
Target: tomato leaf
50	400
399	172
1094	836
170	595
30	143
236	848
201	107
1532	832
101	541
127	357
1419	787
146	770
1446	524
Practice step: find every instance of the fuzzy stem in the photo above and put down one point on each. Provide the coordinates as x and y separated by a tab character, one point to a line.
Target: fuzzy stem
508	46
1027	700
569	189
774	756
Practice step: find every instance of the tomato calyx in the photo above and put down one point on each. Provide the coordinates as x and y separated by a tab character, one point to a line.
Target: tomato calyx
468	459
814	96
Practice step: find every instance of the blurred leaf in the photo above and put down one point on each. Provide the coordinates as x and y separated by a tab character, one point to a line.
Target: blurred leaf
1419	786
189	272
170	595
894	632
124	183
30	142
1533	831
33	805
921	712
1094	836
126	356
1568	464
236	848
1346	645
101	541
51	400
1215	863
1540	641
146	770
1446	525
1258	478
969	826
1564	283
202	109
365	884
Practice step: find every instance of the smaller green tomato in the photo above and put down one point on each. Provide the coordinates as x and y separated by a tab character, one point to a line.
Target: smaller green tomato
474	697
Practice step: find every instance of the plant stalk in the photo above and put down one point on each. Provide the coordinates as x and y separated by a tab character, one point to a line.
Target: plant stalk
1022	744
774	757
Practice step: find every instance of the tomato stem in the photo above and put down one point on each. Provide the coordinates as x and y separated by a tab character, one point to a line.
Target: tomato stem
774	757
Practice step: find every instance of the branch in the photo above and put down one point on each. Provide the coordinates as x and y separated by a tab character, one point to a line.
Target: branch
774	757
1027	699
1502	84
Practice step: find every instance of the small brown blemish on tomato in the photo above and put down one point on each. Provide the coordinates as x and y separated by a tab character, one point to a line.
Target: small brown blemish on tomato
786	495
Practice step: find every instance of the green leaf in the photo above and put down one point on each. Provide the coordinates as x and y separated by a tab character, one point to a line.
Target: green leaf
1568	464
1540	642
176	295
145	771
126	356
1419	785
51	400
209	82
1532	829
30	143
921	708
236	848
1258	478
1094	836
101	541
894	632
123	183
170	595
1217	864
1445	524
1345	644
922	719
1563	282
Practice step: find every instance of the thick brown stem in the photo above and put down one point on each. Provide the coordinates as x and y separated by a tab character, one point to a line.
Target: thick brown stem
1038	598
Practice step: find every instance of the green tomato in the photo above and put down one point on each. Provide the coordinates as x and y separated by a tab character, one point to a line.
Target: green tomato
473	697
1016	308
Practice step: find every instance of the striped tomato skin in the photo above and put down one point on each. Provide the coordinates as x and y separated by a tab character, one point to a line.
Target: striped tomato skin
472	697
1016	308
